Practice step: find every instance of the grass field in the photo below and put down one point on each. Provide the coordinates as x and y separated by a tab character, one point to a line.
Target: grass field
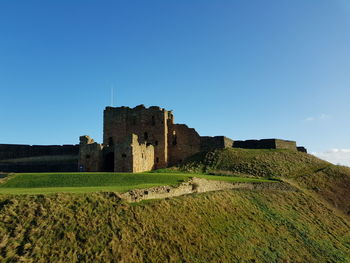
223	226
45	183
307	225
330	182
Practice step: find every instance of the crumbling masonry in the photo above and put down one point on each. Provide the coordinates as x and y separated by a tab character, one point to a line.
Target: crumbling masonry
142	139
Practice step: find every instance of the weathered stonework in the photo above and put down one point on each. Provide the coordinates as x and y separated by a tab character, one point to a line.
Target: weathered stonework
134	140
132	156
90	155
183	143
14	151
150	125
198	185
302	149
142	139
218	142
283	144
38	158
266	144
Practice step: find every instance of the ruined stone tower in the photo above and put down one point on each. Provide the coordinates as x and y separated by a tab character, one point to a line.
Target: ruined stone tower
149	125
138	139
142	139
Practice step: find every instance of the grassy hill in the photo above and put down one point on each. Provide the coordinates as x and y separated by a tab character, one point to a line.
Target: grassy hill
328	181
226	226
264	163
307	225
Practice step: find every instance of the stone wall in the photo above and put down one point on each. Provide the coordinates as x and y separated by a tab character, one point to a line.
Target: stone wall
38	158
143	156
265	144
171	143
14	151
52	163
154	126
195	185
90	155
198	185
123	155
183	143
149	124
209	143
133	156
302	149
283	144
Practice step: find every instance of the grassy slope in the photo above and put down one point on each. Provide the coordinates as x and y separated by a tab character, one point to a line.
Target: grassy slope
330	182
264	163
228	226
43	183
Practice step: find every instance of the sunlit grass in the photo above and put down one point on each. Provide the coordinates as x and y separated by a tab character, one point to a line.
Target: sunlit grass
224	226
44	183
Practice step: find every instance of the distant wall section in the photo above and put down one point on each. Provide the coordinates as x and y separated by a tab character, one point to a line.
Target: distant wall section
38	158
14	151
183	143
302	149
209	143
266	144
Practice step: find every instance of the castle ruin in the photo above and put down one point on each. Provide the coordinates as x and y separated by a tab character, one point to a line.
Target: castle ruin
143	139
134	140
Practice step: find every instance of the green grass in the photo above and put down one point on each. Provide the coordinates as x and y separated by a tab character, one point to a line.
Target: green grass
328	181
45	183
225	226
260	163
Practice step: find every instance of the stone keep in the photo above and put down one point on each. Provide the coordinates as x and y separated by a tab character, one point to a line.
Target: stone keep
142	139
138	139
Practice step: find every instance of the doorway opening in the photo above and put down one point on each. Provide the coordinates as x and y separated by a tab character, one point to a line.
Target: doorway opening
109	163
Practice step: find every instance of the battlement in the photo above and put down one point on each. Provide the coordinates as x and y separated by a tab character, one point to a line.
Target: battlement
138	110
140	107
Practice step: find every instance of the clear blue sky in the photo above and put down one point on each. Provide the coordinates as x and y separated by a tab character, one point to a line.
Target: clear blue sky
244	69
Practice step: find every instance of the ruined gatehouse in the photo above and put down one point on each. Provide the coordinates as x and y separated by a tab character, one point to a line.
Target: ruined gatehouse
142	139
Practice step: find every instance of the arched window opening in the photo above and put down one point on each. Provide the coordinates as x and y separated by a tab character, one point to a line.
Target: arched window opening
157	160
124	155
145	136
153	121
156	143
